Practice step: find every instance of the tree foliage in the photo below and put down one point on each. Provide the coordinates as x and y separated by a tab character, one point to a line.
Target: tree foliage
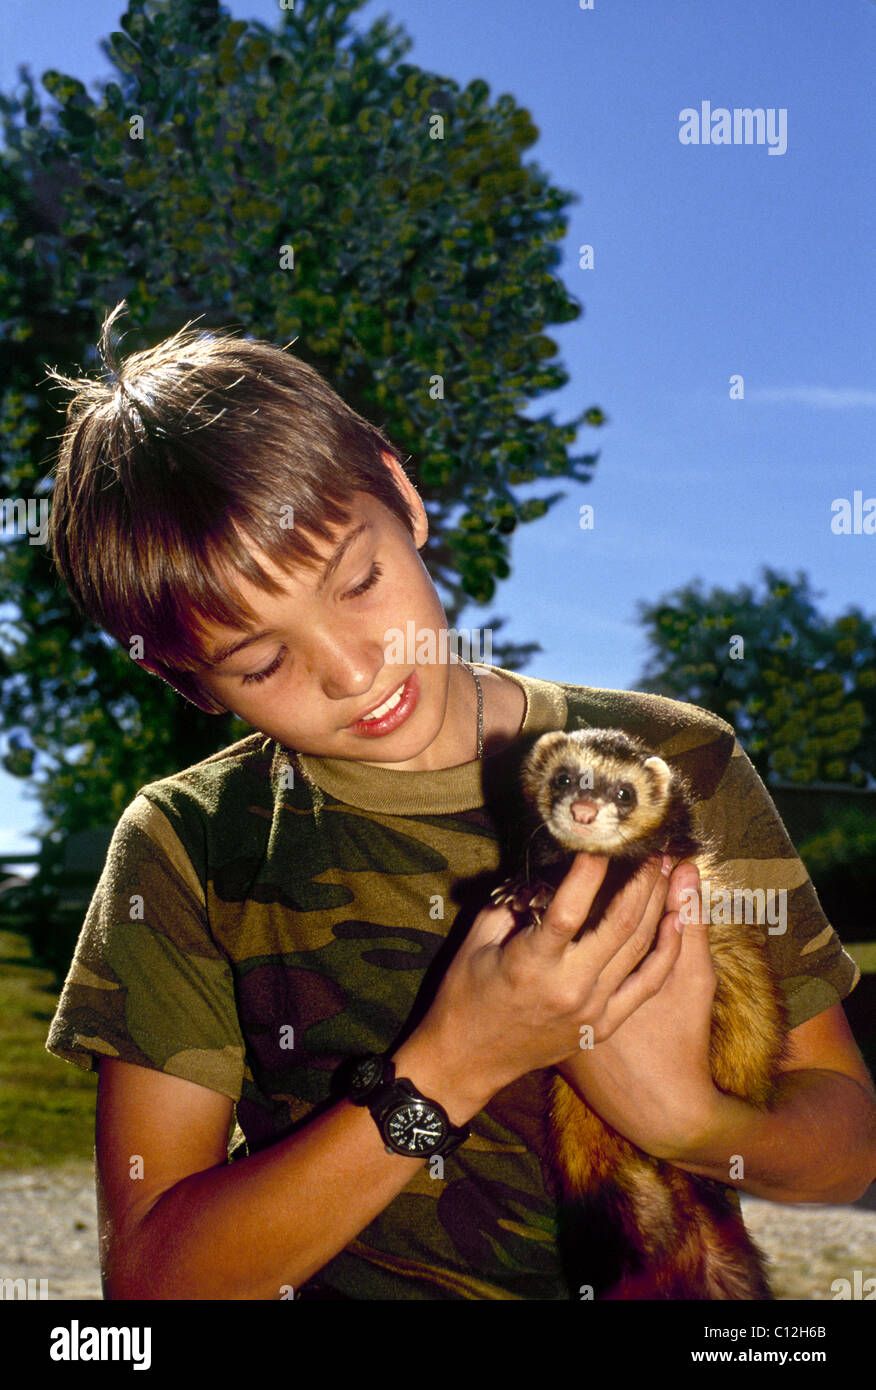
800	690
841	858
182	185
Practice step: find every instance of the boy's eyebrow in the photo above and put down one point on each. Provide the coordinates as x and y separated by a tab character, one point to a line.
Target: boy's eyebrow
334	560
223	653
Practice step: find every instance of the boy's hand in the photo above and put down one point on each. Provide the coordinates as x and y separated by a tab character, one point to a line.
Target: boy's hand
651	1080
513	1001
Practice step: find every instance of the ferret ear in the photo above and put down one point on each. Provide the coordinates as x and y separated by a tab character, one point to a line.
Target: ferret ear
543	747
661	773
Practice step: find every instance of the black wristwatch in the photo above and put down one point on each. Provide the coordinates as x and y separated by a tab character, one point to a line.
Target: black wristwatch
409	1124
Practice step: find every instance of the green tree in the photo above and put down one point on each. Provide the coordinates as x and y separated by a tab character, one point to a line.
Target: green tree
841	857
799	689
300	183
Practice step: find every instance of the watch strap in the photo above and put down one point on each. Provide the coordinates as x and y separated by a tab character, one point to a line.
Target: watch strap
370	1074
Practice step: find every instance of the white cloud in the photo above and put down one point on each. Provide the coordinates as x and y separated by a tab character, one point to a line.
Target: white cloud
828	397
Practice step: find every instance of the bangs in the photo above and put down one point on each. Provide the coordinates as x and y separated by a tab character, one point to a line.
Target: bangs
207	589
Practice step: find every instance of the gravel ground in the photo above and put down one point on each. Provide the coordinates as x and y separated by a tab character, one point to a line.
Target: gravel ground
811	1246
48	1218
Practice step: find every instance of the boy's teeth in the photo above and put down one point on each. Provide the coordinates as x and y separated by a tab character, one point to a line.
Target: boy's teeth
385	707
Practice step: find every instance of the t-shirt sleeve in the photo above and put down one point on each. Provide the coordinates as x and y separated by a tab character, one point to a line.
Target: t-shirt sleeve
147	983
814	970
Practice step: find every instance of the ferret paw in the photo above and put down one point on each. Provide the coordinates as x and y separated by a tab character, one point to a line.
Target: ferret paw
524	899
513	893
504	895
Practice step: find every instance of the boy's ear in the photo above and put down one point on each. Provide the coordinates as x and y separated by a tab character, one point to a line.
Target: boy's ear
411	496
190	693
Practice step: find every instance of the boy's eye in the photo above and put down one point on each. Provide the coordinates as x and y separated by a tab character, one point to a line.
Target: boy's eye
275	665
372	579
268	671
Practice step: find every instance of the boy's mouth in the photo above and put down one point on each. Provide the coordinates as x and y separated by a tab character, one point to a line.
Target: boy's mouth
394	710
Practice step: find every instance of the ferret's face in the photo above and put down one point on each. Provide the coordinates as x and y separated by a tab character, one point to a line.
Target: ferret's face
589	811
592	801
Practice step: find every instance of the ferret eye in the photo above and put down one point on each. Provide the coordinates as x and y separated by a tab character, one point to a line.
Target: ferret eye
560	781
625	795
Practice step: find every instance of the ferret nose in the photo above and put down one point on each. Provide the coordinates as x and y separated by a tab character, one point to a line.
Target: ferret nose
584	811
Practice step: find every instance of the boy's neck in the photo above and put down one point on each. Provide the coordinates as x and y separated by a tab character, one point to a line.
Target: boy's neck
504	709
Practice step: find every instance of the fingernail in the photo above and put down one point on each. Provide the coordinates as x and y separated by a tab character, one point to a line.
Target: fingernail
666	865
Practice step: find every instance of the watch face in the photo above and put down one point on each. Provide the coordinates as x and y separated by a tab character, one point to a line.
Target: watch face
414	1127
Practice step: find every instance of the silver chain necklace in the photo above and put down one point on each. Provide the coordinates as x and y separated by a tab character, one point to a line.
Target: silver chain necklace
480	708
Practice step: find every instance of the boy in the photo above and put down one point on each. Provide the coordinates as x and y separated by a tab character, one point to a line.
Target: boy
315	892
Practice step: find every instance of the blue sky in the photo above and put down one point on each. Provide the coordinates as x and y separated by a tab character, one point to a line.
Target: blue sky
710	261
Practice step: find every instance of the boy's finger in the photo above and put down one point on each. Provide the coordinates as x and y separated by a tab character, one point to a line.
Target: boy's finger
647	911
684	891
645	982
569	906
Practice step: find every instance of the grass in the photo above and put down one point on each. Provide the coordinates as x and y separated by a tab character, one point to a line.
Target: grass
46	1105
864	956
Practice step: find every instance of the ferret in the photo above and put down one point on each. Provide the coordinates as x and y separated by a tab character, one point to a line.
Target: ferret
633	1226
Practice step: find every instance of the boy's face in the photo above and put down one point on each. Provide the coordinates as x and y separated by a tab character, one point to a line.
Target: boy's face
324	651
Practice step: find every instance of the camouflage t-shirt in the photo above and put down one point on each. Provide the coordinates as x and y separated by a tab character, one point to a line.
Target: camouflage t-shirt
254	928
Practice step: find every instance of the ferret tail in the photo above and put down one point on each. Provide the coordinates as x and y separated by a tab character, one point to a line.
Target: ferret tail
646	1238
712	1256
633	1227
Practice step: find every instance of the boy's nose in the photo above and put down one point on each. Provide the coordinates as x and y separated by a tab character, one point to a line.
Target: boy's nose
351	673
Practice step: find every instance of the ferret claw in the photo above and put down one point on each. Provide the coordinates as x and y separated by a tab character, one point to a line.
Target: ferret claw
523	898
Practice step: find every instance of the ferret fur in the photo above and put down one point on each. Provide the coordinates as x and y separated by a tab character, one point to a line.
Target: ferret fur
633	1226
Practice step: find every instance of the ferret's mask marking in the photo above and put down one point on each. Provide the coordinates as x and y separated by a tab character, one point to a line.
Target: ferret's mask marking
592	804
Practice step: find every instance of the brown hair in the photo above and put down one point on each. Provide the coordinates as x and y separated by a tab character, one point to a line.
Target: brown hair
167	467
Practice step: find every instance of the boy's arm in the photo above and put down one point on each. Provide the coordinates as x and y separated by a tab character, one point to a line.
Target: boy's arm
195	1226
818	1141
511	1002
